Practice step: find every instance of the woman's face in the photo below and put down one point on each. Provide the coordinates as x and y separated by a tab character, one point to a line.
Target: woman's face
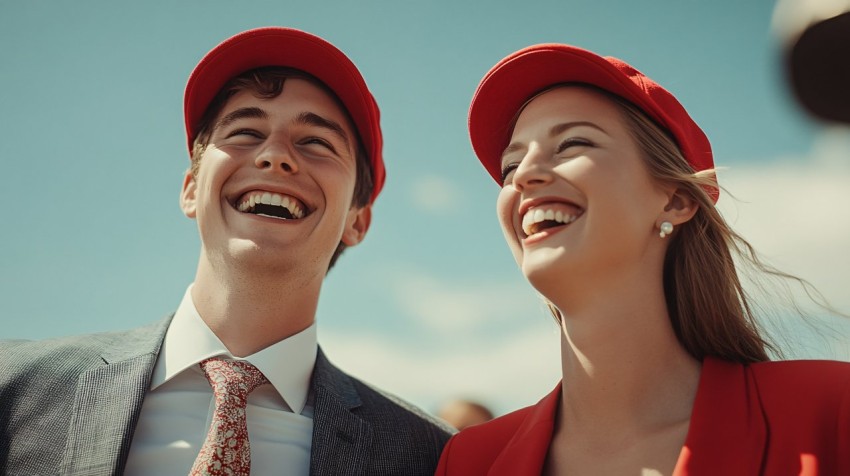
578	204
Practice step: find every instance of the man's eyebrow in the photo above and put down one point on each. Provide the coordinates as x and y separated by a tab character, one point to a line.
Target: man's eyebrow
313	119
553	132
241	113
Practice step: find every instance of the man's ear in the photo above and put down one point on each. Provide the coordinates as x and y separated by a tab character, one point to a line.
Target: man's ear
357	224
187	195
680	208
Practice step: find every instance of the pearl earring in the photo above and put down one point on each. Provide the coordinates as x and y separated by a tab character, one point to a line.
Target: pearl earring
666	228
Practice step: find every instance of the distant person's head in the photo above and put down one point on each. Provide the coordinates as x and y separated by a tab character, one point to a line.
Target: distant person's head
281	126
463	413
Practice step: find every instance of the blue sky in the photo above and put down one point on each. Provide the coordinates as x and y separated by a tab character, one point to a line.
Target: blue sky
431	304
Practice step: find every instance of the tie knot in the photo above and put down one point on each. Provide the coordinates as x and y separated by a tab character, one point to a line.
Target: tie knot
233	377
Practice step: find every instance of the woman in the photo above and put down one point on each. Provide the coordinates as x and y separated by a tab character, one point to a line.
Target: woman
608	204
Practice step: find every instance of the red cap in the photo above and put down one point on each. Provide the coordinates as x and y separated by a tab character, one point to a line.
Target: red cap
276	46
516	78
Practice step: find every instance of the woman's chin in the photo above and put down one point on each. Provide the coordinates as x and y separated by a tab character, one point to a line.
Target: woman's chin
543	268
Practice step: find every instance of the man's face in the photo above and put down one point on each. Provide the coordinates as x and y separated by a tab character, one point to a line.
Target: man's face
276	181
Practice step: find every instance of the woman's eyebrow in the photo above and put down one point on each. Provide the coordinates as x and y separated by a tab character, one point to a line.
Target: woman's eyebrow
515	146
554	131
560	128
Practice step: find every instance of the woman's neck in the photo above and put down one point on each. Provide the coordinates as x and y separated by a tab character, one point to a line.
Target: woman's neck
623	368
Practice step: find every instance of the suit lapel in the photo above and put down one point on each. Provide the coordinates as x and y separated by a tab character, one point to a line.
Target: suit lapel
341	439
108	400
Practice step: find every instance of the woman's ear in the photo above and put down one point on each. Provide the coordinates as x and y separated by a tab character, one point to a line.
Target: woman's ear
187	195
680	208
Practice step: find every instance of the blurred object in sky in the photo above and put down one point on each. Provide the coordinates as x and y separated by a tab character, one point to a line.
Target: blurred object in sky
463	413
815	36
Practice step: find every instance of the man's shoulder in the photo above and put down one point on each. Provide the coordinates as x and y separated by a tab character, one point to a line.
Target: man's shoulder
379	407
41	384
69	355
403	439
393	409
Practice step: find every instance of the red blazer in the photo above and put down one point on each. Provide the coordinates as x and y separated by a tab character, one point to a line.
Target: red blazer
771	418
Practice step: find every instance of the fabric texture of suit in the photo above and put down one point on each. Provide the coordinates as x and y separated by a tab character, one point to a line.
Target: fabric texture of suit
771	418
70	406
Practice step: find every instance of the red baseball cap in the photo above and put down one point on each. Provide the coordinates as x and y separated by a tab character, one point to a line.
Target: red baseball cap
277	46
516	78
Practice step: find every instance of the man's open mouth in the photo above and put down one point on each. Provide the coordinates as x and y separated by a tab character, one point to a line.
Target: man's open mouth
269	204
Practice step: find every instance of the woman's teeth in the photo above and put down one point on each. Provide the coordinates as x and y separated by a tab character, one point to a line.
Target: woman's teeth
539	219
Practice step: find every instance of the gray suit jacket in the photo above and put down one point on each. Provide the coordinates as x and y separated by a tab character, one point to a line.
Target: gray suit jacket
69	406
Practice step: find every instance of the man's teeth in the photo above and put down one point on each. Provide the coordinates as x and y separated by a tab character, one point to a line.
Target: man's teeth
274	199
539	215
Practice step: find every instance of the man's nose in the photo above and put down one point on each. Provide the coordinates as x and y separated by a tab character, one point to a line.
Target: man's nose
277	156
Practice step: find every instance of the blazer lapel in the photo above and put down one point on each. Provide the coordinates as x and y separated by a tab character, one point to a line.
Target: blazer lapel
107	403
727	433
341	439
525	453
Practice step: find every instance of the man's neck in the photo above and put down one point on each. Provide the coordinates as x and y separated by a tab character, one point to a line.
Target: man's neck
249	311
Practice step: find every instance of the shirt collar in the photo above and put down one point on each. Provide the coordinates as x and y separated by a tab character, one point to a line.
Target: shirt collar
287	364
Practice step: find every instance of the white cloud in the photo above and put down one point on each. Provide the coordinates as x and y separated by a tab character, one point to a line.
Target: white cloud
504	374
796	212
450	307
435	194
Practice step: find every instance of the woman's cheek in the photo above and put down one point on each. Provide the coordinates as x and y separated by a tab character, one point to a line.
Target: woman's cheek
507	205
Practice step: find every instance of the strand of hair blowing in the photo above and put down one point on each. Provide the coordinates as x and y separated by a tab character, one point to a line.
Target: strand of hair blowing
709	309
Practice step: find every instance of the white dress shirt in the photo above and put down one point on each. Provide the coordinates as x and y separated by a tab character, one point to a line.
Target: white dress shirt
178	408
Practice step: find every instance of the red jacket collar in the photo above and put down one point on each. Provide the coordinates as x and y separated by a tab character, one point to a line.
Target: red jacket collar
525	453
727	428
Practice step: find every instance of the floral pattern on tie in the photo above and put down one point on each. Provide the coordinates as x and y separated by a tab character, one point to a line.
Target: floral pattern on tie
226	450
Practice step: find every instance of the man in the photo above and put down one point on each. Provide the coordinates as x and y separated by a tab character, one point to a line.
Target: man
285	147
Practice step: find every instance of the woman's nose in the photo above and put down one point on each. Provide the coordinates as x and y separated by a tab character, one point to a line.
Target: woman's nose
533	170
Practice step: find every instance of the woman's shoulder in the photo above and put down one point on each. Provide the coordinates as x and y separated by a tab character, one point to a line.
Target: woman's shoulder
497	431
826	375
816	389
526	431
786	392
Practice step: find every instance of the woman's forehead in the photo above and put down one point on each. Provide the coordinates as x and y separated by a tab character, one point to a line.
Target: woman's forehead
567	104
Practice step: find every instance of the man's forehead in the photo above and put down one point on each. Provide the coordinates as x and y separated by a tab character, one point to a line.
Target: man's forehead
298	96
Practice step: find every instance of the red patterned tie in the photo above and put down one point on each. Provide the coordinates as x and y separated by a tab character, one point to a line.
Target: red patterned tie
226	449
